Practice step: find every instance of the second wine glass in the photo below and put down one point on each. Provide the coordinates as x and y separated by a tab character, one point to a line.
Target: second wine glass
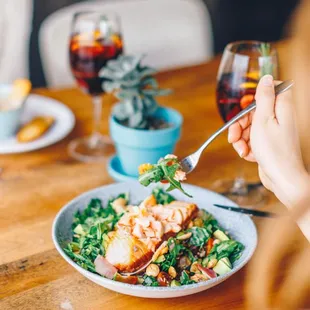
95	39
242	65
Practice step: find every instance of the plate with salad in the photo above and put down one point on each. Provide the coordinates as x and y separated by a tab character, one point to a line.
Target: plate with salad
147	242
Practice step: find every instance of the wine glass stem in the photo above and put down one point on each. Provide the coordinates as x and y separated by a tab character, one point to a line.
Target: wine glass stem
97	110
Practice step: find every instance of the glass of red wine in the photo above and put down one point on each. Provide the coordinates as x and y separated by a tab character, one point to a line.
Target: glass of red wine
242	65
95	39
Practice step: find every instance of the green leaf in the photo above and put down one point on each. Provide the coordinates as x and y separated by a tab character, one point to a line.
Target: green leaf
157	92
133	84
153	175
162	197
185	279
109	86
120	112
164	171
169	172
151	105
175	250
149	81
200	236
228	248
146	71
135	119
210	223
150	281
265	61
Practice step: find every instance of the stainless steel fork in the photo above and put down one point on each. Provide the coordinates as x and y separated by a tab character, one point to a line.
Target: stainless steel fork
190	162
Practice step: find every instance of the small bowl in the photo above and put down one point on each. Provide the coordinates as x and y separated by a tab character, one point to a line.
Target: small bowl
9	119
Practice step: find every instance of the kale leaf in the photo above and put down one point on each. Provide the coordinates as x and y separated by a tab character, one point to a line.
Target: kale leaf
149	281
90	227
228	248
164	170
162	197
200	236
185	279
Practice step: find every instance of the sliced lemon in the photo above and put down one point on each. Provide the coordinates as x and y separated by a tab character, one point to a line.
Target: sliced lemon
247	85
253	75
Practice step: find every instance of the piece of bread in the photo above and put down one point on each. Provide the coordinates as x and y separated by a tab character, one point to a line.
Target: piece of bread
34	129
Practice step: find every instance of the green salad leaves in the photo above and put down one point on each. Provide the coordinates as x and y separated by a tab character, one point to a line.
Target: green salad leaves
200	236
197	249
89	232
167	170
162	197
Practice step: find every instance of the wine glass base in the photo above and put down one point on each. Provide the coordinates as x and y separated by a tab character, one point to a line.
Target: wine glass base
91	149
246	196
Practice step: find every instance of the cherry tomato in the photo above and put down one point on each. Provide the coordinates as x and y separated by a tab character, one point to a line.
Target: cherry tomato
164	181
209	245
163	279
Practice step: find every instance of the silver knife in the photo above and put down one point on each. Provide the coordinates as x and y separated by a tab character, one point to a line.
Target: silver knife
248	211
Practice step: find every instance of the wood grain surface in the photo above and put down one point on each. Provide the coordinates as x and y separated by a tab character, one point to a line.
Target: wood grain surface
34	186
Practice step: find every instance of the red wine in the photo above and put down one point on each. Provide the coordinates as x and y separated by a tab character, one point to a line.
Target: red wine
88	55
235	93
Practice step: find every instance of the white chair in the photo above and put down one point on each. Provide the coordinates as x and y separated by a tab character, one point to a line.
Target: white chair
15	29
172	33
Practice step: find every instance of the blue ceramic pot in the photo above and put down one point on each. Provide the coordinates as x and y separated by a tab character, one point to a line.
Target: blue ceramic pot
135	146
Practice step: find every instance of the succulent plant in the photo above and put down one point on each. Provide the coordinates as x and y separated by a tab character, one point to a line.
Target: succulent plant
135	87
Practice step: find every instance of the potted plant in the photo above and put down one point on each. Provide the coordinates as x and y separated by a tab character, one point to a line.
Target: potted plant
142	131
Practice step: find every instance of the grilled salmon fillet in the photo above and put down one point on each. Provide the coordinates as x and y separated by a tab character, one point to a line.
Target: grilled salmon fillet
142	229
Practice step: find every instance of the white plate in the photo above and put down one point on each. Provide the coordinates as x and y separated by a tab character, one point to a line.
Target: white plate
36	105
240	226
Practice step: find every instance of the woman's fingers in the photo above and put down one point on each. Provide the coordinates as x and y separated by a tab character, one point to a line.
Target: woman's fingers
241	148
236	130
250	157
284	107
265	99
246	134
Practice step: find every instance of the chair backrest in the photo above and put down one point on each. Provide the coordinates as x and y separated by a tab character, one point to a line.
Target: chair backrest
15	30
172	33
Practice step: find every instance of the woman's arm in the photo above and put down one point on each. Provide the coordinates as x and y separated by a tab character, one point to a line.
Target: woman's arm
269	137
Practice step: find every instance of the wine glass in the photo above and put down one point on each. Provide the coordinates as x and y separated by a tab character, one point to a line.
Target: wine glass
95	39
242	65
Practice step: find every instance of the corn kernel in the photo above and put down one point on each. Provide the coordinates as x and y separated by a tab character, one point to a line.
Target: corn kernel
144	167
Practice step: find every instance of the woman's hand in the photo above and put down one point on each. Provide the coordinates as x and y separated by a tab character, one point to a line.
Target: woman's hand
269	137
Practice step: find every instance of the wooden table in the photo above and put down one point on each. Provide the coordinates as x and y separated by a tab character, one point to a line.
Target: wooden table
34	186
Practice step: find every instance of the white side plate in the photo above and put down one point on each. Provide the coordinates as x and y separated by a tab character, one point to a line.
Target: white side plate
36	105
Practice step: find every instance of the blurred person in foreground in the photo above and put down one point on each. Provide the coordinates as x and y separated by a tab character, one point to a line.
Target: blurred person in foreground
277	137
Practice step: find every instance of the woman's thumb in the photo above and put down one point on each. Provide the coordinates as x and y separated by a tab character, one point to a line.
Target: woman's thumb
265	98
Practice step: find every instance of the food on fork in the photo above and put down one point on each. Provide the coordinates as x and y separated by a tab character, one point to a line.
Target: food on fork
35	128
160	242
167	170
